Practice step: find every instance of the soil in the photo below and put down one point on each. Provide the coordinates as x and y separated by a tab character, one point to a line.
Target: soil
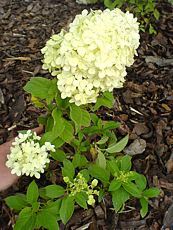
144	106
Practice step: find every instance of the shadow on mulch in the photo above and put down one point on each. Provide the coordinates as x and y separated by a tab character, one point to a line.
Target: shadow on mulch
144	106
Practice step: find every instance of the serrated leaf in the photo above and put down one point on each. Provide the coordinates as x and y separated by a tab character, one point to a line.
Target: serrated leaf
80	117
99	173
32	193
26	219
68	170
67	209
53	207
132	189
41	87
54	191
144	207
47	220
81	199
151	192
16	202
119	197
126	163
119	146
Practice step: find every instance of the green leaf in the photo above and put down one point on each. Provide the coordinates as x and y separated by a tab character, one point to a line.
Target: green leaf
48	137
111	125
80	117
53	207
106	100
62	103
97	172
37	102
119	197
67	134
101	195
101	160
141	181
32	193
102	141
81	199
59	155
91	130
144	207
26	220
156	14
16	202
151	192
41	87
126	163
54	191
35	206
85	174
47	220
68	169
119	146
152	30
62	128
67	209
58	142
114	185
49	124
94	118
113	167
132	189
79	160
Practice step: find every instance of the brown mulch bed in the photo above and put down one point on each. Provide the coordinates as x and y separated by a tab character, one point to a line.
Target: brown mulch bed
144	106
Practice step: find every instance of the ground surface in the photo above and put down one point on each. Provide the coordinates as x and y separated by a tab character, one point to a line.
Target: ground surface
144	105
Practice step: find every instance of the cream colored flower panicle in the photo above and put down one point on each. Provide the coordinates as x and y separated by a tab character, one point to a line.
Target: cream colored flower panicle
86	2
28	156
92	56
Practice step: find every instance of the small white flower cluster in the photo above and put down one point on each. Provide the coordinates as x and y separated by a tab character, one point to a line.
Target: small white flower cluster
93	55
86	1
80	185
27	156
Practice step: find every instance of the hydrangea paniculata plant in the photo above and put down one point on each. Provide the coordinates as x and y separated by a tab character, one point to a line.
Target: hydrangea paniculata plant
92	56
28	156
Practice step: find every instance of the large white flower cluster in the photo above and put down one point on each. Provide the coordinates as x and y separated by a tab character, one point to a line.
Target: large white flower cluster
27	156
93	55
86	1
